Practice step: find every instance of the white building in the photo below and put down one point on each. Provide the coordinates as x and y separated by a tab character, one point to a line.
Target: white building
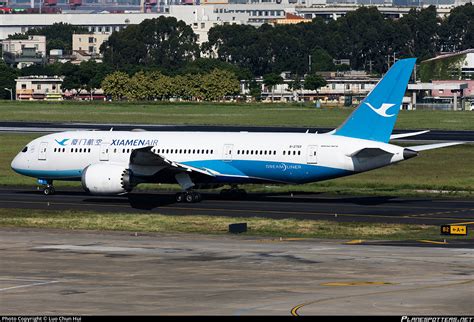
348	88
16	46
38	88
89	42
24	52
109	22
203	18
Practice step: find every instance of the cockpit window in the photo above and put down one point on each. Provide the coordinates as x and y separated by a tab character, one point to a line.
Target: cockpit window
25	149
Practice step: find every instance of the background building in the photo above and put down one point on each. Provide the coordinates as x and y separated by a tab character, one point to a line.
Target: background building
39	88
20	53
87	46
452	66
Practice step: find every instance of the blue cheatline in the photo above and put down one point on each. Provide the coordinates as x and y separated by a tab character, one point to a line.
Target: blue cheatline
51	174
236	171
375	117
256	171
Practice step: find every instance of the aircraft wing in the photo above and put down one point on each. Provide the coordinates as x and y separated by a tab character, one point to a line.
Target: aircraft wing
406	135
146	157
433	146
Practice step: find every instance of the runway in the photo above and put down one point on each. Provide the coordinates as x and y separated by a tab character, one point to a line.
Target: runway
118	273
43	127
310	206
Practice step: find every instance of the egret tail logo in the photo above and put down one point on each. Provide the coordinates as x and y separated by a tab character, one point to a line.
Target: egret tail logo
62	142
382	110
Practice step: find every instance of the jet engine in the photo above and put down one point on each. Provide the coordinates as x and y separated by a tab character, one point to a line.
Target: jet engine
107	179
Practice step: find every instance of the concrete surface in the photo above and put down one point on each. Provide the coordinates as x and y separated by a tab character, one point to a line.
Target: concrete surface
78	272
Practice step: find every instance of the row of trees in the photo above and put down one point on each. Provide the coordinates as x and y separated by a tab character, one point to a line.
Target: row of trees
365	37
213	86
169	47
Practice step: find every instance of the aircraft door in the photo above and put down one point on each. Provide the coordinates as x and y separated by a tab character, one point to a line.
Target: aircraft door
104	152
227	154
42	151
312	154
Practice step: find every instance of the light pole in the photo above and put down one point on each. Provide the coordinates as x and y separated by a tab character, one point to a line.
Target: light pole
11	93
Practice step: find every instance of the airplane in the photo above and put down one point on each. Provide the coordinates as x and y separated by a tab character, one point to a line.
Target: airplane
115	162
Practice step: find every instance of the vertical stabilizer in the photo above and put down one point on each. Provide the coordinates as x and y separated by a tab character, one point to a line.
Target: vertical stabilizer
376	115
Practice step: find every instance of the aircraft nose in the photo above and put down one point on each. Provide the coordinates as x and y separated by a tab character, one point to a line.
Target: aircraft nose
16	164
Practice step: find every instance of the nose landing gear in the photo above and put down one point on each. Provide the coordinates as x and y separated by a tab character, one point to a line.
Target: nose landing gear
48	188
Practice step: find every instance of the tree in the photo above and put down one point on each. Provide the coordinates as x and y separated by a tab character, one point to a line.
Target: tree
116	85
422	28
255	90
295	84
162	86
218	84
162	42
7	80
457	30
321	61
314	82
140	87
271	80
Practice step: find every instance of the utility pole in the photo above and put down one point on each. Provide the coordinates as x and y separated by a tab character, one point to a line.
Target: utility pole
309	64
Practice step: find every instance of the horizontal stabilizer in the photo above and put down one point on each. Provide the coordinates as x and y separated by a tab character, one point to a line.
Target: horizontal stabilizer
433	146
406	135
369	153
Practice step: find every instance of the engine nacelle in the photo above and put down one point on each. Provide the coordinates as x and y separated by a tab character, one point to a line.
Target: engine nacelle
106	179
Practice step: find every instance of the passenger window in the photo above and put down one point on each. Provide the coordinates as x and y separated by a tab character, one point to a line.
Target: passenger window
284	152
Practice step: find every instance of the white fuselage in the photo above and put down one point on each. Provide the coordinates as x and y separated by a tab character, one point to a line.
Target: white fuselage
233	157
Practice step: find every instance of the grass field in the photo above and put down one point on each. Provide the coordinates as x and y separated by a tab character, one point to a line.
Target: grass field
264	114
284	228
449	170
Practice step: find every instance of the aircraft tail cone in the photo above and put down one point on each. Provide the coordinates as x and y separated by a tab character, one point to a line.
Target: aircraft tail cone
408	154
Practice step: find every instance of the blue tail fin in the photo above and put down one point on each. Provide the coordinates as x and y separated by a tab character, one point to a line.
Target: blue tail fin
375	117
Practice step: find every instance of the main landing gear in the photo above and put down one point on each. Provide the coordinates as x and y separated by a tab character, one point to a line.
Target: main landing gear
188	196
48	188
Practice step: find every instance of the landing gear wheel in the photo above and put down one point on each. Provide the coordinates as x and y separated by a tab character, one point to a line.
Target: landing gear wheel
49	191
189	197
179	197
197	197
